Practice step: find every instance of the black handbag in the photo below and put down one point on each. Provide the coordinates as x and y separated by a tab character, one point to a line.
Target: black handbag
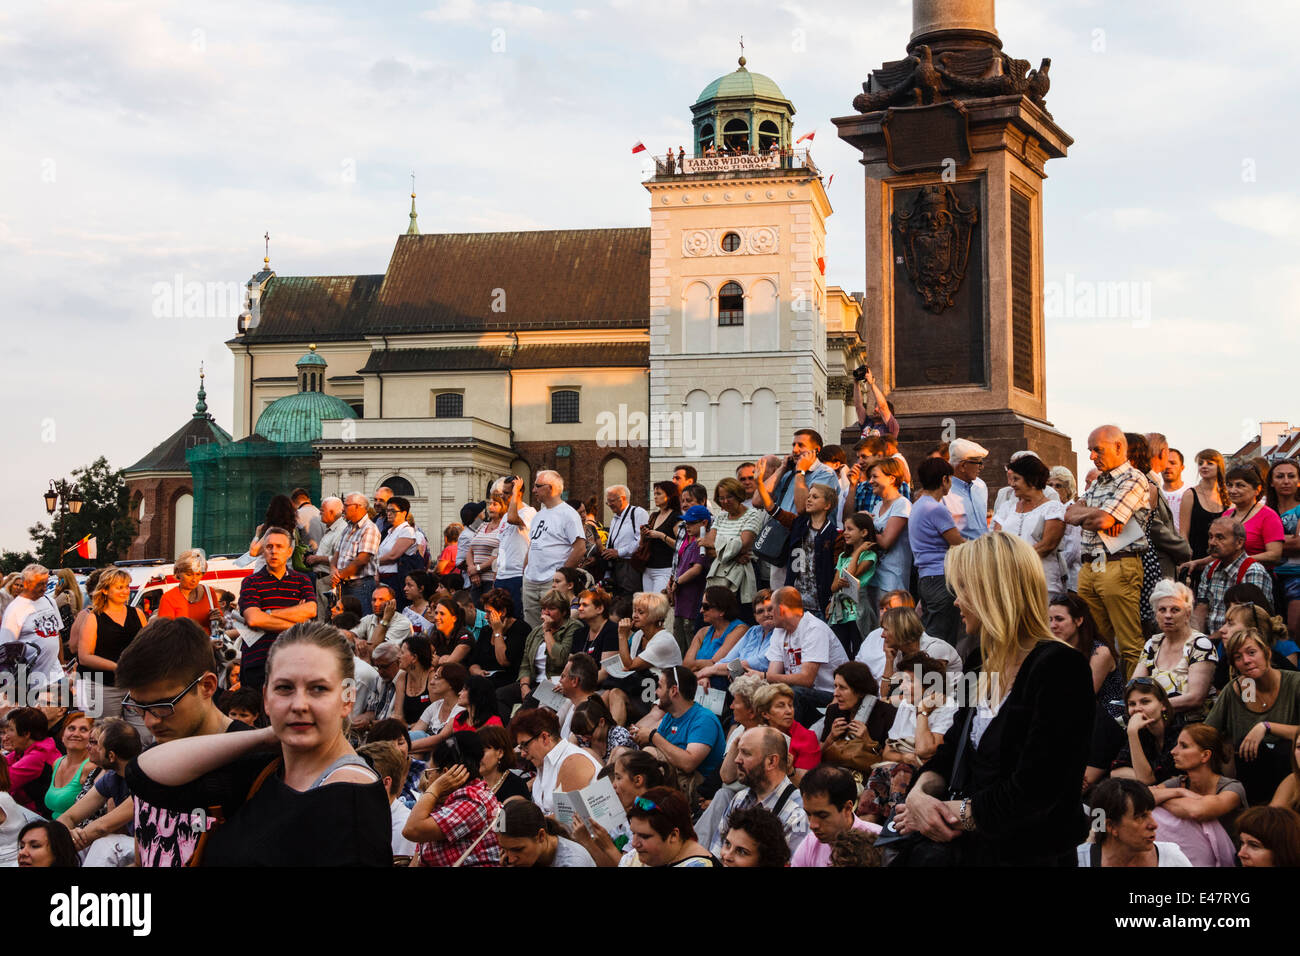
773	538
914	849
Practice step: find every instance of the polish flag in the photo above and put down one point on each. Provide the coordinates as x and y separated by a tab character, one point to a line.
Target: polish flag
86	548
639	147
806	136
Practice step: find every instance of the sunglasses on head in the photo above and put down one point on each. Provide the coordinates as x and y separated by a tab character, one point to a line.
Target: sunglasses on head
641	803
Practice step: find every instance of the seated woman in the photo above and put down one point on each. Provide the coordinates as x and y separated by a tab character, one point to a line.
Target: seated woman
662	834
1248	504
1196	808
1180	659
1259	714
435	724
855	713
1287	794
560	765
723	627
594	730
500	644
72	769
629	681
452	820
632	773
449	636
311	801
498	765
1071	621
31	754
477	701
923	715
751	650
775	706
1129	835
12	819
44	843
546	651
754	837
1147	753
1270	836
528	838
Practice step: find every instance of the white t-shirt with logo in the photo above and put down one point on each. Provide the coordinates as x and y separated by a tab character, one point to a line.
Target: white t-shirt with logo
551	536
812	640
514	544
36	626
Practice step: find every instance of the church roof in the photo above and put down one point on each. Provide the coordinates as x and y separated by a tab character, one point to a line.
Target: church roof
169	455
743	84
489	281
295	418
473	358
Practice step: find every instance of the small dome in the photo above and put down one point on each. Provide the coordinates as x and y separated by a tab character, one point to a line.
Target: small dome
297	417
741	83
311	359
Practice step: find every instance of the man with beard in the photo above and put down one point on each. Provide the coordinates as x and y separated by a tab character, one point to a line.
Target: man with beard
762	756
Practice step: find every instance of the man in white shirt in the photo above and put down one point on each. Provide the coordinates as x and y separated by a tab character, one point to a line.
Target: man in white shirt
310	519
624	538
804	653
334	524
968	502
512	551
385	622
556	539
577	683
29	638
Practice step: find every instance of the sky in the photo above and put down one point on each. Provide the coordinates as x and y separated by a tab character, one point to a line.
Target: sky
154	143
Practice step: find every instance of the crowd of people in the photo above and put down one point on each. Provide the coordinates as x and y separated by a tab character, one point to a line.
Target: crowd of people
834	658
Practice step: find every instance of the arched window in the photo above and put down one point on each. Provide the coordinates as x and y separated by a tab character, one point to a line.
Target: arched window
564	407
767	135
731	305
706	137
449	405
736	135
399	486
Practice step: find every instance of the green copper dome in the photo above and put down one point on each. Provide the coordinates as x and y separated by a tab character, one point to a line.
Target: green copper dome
741	83
311	359
298	417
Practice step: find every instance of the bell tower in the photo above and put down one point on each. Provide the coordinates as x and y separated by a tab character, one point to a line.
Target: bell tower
737	284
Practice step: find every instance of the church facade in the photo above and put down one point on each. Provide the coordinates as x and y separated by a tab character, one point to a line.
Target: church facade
608	355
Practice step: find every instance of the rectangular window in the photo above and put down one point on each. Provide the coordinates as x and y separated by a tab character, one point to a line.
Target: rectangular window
449	405
564	407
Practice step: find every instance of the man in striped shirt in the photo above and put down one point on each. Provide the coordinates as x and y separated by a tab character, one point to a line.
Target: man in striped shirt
272	600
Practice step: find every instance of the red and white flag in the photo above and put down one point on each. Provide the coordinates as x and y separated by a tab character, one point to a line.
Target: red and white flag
806	136
86	548
639	147
829	181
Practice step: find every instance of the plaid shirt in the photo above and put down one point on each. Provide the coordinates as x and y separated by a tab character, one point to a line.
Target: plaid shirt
462	816
1122	492
360	537
1215	585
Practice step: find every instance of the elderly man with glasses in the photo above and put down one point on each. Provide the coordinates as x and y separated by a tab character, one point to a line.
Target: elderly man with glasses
556	540
353	569
29	637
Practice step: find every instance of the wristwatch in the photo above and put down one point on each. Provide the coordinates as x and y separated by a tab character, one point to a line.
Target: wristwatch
964	819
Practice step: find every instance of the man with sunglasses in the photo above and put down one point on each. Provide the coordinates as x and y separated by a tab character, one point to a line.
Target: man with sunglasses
169	675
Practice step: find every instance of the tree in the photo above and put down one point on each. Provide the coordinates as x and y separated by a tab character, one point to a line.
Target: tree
15	560
105	515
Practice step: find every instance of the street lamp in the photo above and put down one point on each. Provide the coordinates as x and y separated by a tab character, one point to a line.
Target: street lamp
66	498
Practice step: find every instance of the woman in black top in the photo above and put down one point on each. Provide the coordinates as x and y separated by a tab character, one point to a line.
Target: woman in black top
499	644
412	683
1203	502
661	532
107	632
292	794
1016	796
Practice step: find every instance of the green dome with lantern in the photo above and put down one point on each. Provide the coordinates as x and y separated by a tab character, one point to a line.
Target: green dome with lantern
297	418
744	110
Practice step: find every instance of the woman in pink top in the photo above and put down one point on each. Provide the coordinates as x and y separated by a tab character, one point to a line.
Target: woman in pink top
31	756
1263	525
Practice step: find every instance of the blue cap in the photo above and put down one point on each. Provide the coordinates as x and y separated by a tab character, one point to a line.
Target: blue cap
697	513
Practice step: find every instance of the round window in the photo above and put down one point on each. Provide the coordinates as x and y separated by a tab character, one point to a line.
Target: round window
731	242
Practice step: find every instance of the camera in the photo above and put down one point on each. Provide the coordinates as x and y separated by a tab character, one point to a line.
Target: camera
860	373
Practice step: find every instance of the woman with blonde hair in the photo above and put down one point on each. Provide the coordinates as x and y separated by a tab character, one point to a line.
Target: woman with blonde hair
191	597
1208	500
106	635
67	597
310	801
1061	480
1013	798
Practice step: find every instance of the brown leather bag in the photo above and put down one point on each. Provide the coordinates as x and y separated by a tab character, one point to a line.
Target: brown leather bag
854	753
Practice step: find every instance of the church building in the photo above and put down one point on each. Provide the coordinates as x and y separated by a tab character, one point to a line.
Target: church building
608	355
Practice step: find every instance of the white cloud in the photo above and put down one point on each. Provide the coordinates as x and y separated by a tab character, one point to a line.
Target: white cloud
1273	214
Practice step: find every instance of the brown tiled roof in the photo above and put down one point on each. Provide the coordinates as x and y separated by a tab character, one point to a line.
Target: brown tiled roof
568	278
169	455
591	355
